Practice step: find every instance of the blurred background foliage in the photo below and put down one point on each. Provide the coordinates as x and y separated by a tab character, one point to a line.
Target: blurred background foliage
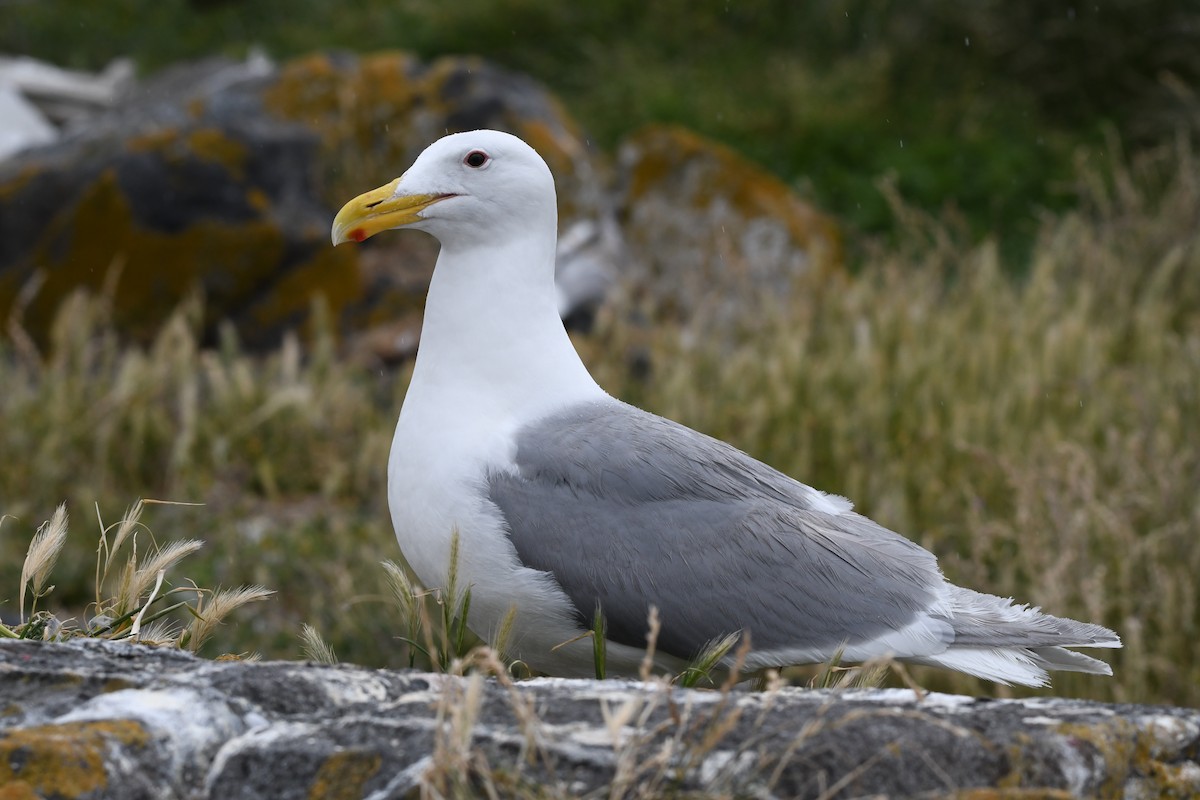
1010	374
976	108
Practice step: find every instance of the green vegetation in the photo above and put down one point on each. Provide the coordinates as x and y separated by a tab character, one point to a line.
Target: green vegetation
1043	437
975	108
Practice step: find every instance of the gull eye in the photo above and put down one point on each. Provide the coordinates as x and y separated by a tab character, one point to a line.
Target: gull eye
476	159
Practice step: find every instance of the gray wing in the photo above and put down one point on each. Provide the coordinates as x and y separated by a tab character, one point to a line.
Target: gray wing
629	510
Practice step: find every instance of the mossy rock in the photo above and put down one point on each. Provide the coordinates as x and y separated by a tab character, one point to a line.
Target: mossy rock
706	226
156	203
375	114
223	177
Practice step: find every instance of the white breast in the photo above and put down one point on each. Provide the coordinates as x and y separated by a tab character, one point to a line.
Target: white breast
437	486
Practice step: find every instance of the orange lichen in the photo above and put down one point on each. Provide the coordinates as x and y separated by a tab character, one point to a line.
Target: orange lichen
559	153
209	144
18	791
384	93
155	141
331	272
212	144
258	199
310	90
362	112
351	110
116	685
64	760
196	107
344	775
84	243
667	153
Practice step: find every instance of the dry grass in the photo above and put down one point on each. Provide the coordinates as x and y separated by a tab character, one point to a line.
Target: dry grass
134	601
1042	435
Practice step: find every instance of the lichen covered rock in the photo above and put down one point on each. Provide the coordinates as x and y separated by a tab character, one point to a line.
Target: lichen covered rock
709	231
223	176
100	719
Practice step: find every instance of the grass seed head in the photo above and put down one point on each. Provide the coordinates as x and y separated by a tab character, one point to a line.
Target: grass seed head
43	552
142	578
315	648
220	605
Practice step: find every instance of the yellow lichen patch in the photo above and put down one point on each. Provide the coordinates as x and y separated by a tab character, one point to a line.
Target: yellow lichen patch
212	144
560	142
258	199
18	790
1121	746
64	760
441	70
83	245
331	272
209	144
352	111
196	107
560	153
1016	758
700	171
660	150
155	141
1172	780
384	93
344	774
116	685
305	88
1129	750
364	114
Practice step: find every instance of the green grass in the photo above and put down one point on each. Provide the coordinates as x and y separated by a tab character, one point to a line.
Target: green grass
1041	436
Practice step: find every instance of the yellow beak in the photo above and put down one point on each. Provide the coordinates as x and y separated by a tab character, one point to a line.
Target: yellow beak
379	210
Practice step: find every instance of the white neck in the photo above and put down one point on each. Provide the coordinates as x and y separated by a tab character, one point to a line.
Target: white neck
492	336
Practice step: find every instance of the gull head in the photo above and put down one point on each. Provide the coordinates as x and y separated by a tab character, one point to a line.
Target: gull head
466	189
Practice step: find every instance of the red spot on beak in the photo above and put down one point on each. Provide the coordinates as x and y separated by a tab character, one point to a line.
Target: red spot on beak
358	234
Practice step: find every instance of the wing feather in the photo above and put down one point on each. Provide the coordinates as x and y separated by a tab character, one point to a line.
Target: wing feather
628	510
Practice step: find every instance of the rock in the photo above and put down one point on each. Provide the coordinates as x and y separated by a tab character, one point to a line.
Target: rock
100	719
22	124
36	98
376	114
590	252
160	197
224	175
710	232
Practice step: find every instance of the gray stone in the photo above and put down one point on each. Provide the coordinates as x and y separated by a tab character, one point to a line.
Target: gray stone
99	719
224	175
712	234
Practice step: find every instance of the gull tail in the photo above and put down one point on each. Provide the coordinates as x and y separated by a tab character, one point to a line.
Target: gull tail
999	640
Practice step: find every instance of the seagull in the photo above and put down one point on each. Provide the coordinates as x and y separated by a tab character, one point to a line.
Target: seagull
565	501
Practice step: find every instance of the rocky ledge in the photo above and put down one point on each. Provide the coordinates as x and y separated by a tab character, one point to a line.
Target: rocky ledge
97	719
